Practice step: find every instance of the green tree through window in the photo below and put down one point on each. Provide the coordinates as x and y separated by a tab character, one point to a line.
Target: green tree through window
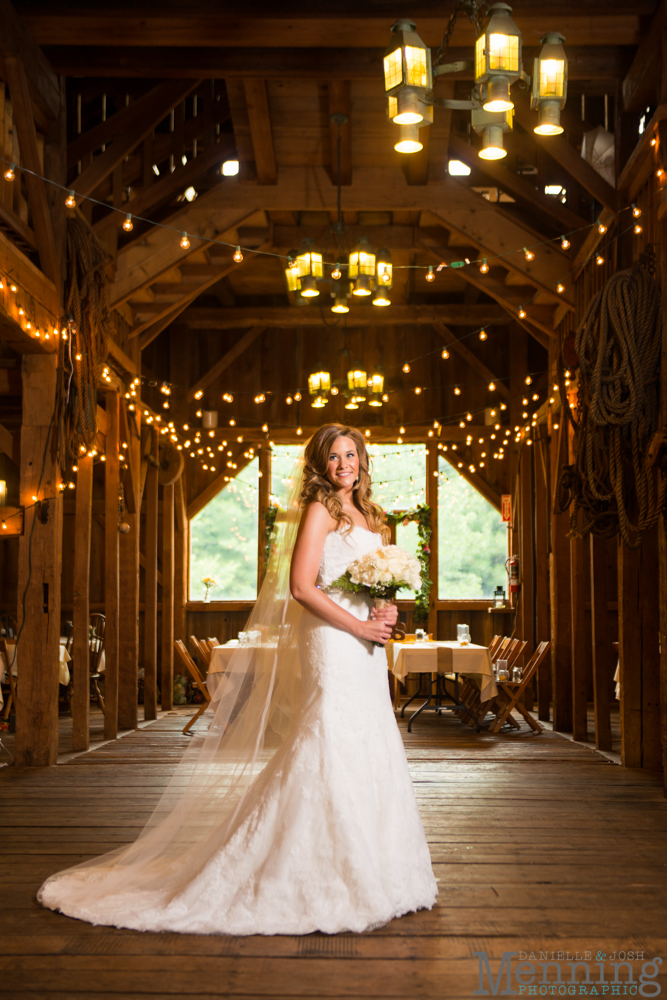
472	540
224	538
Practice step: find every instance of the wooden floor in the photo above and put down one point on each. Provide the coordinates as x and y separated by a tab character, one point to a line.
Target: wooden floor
538	843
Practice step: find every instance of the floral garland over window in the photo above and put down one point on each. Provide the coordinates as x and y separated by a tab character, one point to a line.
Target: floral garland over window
421	515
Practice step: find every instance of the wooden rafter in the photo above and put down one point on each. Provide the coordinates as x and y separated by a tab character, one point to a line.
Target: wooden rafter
260	130
216	486
452	341
225	361
138	120
10	444
17	41
27	136
202	318
641	84
153	328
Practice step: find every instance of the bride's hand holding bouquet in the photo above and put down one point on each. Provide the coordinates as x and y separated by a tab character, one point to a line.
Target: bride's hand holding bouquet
381	574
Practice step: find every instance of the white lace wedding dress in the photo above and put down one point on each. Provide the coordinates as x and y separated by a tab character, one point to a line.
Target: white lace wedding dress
331	838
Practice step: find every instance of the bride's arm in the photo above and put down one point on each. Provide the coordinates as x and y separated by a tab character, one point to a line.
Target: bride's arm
306	558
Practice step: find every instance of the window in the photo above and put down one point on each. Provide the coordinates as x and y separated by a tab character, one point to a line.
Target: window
283	457
472	540
224	540
399	478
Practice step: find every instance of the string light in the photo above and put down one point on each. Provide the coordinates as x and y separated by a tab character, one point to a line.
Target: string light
484	267
417	391
199	393
602	229
185	242
336	273
492	386
522	313
599	259
128	225
637	230
406	368
297	397
560	289
9	172
238	256
445	354
457	391
70	202
529	255
564	243
529	379
482	335
636	211
430	276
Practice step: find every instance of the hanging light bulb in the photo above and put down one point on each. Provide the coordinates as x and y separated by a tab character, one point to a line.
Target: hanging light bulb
238	256
185	242
70	200
336	273
384	269
128	225
309	268
9	172
492	386
406	367
444	354
528	379
602	229
636	211
560	289
564	243
484	267
522	313
599	259
482	335
637	230
407	73
457	391
430	275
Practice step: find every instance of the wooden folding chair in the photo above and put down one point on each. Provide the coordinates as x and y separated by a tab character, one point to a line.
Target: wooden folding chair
197	680
9	680
493	645
518	646
512	692
212	641
499	651
202	650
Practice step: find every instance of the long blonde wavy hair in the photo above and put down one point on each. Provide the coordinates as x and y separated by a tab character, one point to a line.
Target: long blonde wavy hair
318	487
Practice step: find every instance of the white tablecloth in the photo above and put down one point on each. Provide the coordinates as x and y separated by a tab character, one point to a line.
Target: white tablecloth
63	676
446	658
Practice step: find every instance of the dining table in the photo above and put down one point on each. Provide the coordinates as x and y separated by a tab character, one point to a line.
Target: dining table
13	656
440	661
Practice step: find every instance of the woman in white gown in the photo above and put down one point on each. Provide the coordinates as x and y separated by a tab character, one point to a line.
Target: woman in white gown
294	810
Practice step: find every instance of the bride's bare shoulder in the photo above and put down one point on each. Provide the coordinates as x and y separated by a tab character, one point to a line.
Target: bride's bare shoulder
317	518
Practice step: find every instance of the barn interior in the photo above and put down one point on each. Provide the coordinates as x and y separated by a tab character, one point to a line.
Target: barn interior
209	246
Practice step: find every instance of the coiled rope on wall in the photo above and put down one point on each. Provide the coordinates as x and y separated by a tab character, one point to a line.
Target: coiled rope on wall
83	355
612	486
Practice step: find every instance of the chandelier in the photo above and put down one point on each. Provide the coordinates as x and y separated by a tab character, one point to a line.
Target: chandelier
359	270
409	72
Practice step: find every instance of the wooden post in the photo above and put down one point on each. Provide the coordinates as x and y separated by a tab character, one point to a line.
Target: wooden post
111	567
601	643
150	592
264	503
167	672
662	526
81	606
525	498
559	579
541	511
181	549
432	480
650	652
128	612
40	564
629	648
579	637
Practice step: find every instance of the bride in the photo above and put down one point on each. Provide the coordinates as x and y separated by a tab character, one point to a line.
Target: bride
294	810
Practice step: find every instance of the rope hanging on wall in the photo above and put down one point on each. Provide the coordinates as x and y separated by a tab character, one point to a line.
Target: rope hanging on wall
83	354
612	486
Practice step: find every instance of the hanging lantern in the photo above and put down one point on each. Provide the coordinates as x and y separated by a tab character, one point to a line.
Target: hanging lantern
319	382
407	72
384	269
491	125
498	58
376	385
319	402
352	403
340	302
550	84
408	140
361	267
381	298
309	268
357	380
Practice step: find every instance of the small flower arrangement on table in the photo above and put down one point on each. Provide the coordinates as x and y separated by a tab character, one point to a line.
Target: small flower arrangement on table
208	582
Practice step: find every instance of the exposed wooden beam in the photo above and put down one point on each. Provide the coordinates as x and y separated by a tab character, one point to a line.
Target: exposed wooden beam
138	120
24	123
10	444
569	158
17	41
456	314
225	361
558	214
122	358
641	85
452	341
539	317
175	310
379	433
340	104
347	26
260	130
169	185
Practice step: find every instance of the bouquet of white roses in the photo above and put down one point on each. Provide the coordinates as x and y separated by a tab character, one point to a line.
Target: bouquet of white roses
382	573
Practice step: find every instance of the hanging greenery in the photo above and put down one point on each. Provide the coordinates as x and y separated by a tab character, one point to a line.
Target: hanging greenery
270	529
421	515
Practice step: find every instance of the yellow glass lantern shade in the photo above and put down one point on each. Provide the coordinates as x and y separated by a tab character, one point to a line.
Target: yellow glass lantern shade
407	61
293	280
356	379
498	49
319	382
550	70
377	384
361	260
503	53
552	77
309	261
